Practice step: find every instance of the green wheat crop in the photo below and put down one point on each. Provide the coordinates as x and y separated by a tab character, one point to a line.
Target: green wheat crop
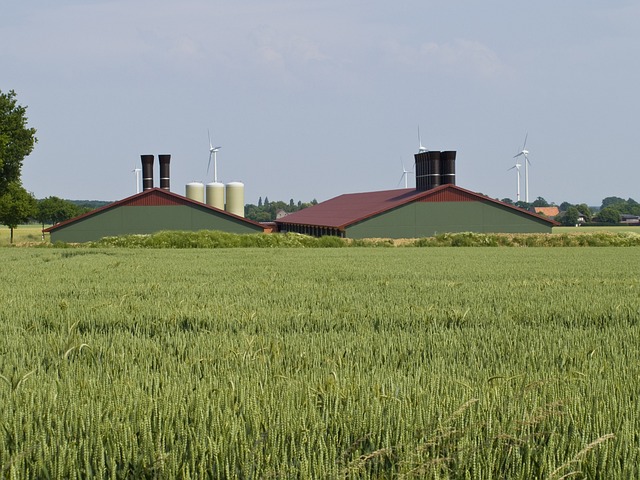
320	363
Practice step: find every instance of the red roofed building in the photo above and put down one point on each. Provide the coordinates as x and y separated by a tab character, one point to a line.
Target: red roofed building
411	213
148	212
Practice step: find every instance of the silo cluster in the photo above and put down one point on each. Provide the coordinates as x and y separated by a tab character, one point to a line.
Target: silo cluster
435	168
214	193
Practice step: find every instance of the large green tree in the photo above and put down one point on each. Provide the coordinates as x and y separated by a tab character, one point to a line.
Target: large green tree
16	139
54	210
16	206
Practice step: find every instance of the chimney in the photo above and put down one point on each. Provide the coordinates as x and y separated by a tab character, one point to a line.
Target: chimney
421	171
164	171
448	167
435	168
147	171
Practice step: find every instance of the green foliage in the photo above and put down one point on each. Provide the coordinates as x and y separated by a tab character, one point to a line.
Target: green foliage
267	211
570	217
53	210
609	215
16	206
629	206
218	239
540	202
16	139
352	363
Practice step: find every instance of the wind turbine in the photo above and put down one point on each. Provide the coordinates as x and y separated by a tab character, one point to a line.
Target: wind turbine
138	172
517	167
525	153
213	153
404	175
421	148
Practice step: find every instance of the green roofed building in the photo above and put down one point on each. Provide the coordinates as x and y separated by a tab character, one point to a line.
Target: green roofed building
412	213
150	211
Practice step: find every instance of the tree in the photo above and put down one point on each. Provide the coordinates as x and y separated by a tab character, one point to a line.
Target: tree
609	215
570	217
16	139
54	210
16	206
507	200
564	206
540	202
610	201
585	211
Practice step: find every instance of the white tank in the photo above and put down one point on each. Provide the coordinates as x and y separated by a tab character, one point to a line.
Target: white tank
235	198
195	191
215	195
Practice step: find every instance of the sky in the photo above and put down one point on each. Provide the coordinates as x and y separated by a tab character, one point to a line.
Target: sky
311	99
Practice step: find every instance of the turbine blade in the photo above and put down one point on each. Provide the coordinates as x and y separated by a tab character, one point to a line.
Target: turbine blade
525	140
400	181
209	164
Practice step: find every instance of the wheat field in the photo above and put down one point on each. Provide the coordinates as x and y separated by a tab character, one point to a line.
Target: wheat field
320	363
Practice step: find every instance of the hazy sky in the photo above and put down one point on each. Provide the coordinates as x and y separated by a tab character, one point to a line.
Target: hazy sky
312	99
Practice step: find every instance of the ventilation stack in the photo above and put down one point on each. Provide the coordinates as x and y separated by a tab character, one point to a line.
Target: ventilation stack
448	167
165	177
435	168
147	171
421	171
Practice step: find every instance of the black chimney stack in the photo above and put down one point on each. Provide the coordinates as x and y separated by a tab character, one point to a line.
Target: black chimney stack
435	168
421	171
147	171
164	171
448	167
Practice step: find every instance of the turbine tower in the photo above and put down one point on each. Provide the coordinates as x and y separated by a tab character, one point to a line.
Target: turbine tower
213	153
404	175
138	172
517	167
525	153
421	148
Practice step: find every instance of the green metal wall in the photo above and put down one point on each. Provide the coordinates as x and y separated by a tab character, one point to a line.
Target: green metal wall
124	220
424	219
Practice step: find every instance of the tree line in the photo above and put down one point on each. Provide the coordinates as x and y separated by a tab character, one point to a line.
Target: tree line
610	212
266	211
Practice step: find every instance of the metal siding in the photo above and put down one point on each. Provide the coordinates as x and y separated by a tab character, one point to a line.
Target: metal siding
420	219
125	220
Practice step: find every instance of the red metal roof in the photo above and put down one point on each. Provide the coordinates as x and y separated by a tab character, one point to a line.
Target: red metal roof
154	197
344	210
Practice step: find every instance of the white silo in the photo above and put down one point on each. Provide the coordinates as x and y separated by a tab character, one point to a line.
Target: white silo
215	195
235	198
195	191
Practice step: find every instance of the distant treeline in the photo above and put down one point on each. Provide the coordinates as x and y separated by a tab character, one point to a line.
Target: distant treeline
267	211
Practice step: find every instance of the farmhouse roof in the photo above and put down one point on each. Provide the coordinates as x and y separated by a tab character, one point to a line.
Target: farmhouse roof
153	197
348	209
548	211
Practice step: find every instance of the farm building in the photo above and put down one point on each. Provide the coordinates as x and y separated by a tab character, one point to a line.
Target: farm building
435	206
152	210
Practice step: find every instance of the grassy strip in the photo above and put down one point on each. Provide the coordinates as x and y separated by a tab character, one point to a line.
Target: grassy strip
216	239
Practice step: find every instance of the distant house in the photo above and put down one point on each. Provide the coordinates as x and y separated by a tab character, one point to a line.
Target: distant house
148	212
551	212
630	219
